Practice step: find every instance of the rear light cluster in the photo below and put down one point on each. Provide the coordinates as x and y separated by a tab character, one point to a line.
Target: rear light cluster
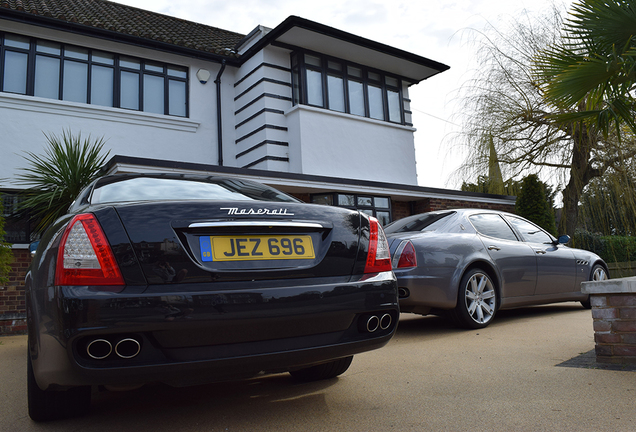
85	257
405	255
379	257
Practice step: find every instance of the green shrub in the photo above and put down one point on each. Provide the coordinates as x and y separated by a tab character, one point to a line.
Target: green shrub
610	248
6	255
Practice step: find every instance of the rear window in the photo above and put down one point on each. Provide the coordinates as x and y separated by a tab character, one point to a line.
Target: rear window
179	189
421	222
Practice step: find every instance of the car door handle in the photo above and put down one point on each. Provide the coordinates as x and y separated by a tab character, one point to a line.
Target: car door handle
539	251
491	247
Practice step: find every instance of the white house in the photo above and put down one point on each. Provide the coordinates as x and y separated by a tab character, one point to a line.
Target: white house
310	109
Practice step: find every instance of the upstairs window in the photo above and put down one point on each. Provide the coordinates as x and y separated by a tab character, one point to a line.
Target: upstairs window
52	70
340	86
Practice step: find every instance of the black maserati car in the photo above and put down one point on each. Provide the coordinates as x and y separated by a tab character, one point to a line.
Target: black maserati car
186	280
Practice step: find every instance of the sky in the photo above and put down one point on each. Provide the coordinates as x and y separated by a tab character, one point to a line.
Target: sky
438	30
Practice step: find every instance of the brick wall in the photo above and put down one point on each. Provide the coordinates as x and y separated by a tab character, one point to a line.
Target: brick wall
614	317
12	302
403	209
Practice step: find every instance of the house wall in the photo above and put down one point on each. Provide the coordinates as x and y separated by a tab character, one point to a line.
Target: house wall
348	146
127	132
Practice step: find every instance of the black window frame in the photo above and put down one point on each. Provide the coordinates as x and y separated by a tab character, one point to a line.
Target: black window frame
32	53
300	84
333	198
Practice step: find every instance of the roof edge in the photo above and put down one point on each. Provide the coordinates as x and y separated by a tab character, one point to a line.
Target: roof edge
191	166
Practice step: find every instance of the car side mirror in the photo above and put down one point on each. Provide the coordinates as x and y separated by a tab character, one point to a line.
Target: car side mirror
563	239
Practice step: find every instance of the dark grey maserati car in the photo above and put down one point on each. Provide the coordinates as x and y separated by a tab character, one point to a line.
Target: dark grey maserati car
472	263
186	280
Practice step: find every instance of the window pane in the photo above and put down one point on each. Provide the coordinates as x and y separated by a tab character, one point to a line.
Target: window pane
177	98
374	76
322	199
314	88
381	203
102	57
356	98
336	93
75	81
347	200
153	67
128	62
354	72
383	217
153	94
129	90
102	86
77	53
394	106
17	41
296	88
178	72
48	47
390	81
492	225
47	77
312	60
376	110
334	65
15	72
365	201
531	233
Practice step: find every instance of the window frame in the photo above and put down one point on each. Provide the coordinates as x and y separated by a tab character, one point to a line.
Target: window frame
300	84
333	199
170	73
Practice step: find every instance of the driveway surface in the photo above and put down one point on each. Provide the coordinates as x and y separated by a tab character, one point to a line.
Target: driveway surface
533	369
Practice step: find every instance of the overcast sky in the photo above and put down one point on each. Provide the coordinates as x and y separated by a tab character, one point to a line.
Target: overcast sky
432	29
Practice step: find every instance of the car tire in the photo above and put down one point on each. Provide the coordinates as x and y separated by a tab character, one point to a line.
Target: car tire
47	405
476	300
598	273
323	371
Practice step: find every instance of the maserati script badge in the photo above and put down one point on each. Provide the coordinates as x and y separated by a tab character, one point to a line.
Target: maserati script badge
260	211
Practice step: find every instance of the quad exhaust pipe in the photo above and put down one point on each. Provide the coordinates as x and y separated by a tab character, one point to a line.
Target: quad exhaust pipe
126	348
373	323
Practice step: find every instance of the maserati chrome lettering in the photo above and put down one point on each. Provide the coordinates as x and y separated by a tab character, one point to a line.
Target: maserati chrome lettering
261	211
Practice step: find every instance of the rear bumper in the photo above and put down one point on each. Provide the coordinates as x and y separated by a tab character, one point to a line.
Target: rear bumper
194	336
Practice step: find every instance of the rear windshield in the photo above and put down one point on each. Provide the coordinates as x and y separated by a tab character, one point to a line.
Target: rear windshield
421	222
178	189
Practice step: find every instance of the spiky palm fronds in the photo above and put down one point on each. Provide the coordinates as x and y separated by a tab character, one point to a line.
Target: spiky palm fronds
55	178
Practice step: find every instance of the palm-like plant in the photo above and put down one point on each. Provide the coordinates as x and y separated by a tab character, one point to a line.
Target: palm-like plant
594	68
54	179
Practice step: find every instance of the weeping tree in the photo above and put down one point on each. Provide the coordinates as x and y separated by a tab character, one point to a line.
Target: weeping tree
506	106
56	177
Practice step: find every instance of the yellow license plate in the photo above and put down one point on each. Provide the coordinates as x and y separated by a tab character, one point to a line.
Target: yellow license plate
256	247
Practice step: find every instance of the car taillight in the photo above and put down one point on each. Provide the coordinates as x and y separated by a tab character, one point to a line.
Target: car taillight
378	257
405	256
85	257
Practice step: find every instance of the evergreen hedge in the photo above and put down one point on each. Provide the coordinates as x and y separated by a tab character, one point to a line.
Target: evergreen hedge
610	248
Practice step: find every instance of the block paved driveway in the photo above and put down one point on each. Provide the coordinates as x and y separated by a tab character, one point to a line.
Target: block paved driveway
531	370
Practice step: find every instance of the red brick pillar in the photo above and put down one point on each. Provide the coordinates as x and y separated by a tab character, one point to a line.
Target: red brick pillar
614	314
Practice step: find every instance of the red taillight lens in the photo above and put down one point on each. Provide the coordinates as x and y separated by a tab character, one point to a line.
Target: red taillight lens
378	257
406	255
84	256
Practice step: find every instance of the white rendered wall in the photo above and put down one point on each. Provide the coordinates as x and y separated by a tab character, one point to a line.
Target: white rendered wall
343	145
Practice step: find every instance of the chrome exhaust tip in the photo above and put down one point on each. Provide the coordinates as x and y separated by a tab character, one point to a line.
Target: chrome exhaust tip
127	348
385	321
373	323
99	349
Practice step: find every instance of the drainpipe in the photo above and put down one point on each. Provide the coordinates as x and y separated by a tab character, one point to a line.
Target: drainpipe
217	81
